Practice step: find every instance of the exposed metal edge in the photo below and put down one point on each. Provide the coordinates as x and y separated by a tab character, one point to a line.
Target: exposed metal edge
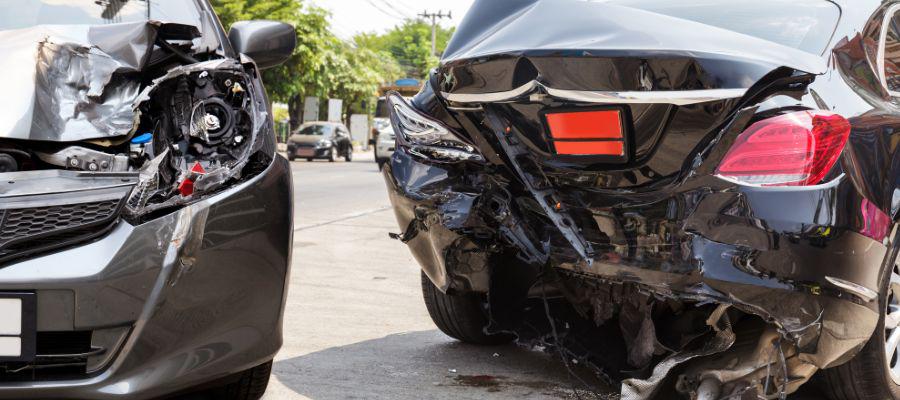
675	97
859	290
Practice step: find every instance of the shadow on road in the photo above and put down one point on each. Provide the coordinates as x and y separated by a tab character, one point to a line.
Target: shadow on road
424	364
429	365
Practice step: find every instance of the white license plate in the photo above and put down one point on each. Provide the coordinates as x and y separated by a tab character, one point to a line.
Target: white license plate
11	327
306	152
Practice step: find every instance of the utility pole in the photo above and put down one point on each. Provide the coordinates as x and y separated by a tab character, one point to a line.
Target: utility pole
434	20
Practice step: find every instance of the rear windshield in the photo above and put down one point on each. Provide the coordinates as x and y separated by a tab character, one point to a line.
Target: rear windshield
19	14
802	24
316	130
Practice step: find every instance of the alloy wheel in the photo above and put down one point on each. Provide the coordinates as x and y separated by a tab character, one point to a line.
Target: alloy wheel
892	326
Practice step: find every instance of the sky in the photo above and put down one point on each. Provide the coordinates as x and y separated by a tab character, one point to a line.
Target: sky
349	17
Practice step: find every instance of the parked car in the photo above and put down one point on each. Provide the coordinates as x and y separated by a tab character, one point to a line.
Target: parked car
384	141
145	238
699	197
321	140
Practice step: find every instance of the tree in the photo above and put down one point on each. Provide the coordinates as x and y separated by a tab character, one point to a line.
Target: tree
409	44
292	81
323	66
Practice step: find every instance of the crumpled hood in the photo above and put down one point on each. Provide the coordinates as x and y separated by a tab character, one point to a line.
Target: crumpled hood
68	83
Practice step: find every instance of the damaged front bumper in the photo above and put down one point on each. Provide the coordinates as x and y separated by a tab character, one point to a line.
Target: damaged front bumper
800	259
180	300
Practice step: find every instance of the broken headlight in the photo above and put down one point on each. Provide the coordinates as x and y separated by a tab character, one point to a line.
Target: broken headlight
426	137
200	131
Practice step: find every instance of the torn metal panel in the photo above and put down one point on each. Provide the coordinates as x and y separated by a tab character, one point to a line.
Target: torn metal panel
74	82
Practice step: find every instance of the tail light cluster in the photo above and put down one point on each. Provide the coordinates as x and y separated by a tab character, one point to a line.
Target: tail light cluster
796	149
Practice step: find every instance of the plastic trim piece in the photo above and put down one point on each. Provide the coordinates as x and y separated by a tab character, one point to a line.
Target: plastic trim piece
678	98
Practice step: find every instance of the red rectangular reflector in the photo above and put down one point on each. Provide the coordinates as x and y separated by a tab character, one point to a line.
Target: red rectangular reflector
606	124
611	148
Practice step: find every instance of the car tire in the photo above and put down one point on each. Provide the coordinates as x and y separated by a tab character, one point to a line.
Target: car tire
291	158
380	162
251	385
333	154
462	317
868	375
349	156
309	160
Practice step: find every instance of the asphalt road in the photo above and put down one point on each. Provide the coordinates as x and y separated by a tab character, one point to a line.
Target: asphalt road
355	325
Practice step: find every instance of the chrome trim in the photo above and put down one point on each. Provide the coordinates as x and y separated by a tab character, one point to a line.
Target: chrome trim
675	97
93	352
859	290
879	58
678	98
492	97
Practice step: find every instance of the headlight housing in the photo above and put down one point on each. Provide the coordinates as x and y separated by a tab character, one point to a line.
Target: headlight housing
324	144
208	129
425	137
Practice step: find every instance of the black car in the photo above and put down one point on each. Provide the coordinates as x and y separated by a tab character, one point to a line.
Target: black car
699	198
320	140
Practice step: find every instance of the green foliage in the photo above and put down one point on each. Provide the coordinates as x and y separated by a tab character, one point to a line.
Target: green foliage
293	78
322	65
409	44
326	67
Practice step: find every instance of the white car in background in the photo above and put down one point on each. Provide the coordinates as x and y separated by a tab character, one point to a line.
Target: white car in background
384	141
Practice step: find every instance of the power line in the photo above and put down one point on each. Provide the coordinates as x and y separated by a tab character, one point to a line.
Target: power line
372	3
404	4
399	11
434	19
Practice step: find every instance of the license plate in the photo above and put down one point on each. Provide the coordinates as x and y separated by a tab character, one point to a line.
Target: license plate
18	326
306	152
587	132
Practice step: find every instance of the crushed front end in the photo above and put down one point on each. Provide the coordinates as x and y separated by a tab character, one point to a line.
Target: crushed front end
634	246
145	217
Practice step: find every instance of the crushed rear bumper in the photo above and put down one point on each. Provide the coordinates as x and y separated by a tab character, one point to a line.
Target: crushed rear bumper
807	260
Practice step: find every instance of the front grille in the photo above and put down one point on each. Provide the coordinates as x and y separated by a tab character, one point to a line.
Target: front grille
26	231
35	221
60	356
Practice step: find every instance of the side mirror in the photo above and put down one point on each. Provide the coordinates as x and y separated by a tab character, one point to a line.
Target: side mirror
268	43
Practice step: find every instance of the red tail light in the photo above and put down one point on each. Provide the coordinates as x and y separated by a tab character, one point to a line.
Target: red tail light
796	149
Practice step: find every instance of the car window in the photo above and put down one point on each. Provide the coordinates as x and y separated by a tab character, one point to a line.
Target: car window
316	130
802	24
890	51
382	110
96	12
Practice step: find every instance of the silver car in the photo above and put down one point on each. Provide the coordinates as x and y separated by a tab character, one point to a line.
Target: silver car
145	218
